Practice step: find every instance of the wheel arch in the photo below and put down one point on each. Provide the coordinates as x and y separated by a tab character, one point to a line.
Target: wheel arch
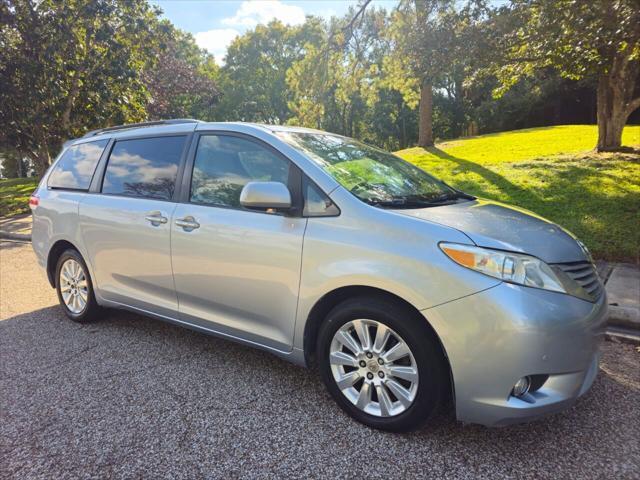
331	299
52	258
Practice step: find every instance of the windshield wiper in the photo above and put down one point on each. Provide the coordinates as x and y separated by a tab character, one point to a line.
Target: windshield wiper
448	197
399	203
419	201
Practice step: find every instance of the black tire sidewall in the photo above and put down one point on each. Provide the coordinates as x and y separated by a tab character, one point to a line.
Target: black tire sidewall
91	309
424	346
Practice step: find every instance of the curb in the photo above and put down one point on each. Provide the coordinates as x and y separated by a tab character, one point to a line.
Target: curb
622	335
623	325
625	317
15	236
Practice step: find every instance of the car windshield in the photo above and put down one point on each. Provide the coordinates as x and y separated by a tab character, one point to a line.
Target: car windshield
373	175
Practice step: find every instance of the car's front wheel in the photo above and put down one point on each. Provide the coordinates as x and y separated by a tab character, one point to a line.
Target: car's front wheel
382	364
74	287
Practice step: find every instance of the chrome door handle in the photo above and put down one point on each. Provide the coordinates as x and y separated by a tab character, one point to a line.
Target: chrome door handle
187	223
156	218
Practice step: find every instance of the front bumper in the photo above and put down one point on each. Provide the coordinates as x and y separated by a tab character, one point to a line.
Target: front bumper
499	335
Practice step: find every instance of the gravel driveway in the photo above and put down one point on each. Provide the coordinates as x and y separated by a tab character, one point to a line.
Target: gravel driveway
132	397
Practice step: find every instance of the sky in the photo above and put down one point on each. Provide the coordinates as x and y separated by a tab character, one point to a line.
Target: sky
215	23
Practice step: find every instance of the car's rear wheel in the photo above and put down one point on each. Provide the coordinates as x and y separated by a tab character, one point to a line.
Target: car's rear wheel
382	364
74	287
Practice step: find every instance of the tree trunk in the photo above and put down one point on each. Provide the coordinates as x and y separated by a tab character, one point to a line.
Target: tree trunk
615	102
20	173
611	118
403	136
41	162
425	126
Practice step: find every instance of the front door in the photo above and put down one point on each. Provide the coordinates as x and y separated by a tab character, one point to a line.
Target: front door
236	271
126	227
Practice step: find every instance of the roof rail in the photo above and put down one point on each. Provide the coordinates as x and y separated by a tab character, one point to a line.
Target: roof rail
126	126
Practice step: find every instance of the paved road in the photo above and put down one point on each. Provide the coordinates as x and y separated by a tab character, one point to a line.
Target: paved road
131	397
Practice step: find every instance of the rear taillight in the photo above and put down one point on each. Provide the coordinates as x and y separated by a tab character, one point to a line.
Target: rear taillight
34	201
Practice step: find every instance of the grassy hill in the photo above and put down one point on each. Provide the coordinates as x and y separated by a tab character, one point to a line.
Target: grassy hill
553	172
14	195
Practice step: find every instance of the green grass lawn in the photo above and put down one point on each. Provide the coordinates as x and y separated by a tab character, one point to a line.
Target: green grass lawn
554	172
14	195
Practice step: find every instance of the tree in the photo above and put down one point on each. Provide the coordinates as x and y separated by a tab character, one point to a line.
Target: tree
66	67
336	84
545	98
432	41
181	83
253	78
581	39
12	165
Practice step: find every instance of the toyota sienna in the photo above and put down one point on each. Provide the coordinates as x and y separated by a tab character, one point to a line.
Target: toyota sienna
404	292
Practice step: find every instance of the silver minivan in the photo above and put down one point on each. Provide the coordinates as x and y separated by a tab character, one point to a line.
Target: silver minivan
405	293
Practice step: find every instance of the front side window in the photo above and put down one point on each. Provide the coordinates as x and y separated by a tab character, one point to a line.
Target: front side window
75	168
316	203
145	167
374	176
225	164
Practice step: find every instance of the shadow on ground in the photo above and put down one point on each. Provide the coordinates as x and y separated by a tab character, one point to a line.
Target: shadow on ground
131	396
6	245
16	224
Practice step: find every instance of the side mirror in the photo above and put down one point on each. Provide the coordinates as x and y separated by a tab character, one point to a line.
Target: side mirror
265	195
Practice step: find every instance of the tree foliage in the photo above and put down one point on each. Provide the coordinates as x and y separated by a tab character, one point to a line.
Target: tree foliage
253	79
336	82
579	39
424	70
66	67
69	66
433	51
182	82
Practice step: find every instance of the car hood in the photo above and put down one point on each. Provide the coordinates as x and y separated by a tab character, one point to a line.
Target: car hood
495	225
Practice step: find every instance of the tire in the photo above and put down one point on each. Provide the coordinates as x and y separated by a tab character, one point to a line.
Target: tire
69	280
422	393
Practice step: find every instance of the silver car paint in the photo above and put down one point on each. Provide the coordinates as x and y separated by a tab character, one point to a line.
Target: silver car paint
493	333
132	263
496	225
239	272
512	331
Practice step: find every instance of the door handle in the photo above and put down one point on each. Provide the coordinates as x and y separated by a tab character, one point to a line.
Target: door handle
156	218
187	223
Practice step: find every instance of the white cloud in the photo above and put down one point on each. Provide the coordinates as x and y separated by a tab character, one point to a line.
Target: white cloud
66	178
251	13
216	41
136	168
248	15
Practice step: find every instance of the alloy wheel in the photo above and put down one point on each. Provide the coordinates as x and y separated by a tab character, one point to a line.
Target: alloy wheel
374	367
73	286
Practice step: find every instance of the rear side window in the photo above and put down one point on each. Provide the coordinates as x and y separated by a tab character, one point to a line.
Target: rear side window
145	167
75	168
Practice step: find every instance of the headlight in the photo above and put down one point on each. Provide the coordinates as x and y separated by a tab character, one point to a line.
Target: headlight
514	268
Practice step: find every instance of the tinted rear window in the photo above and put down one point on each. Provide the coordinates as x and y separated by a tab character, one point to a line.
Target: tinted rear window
75	168
145	167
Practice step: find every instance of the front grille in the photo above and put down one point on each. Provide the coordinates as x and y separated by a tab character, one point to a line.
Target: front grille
585	274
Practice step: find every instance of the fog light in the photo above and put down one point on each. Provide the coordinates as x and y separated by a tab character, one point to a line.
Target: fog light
521	387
